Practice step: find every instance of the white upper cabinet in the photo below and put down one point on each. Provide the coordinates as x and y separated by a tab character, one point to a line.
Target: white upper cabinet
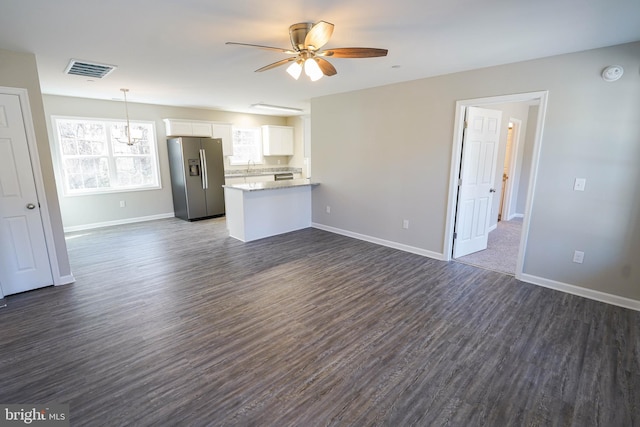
223	131
277	140
202	129
188	128
178	127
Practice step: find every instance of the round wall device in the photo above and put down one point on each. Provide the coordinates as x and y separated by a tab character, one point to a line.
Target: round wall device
612	73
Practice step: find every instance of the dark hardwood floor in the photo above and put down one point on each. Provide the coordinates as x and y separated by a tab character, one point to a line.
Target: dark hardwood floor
173	323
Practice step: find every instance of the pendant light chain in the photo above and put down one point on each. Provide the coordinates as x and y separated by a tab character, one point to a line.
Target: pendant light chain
126	109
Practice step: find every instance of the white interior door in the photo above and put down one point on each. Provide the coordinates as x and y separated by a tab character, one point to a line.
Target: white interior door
476	186
24	260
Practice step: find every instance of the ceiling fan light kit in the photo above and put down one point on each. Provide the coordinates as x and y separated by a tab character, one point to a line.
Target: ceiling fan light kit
295	69
307	39
312	69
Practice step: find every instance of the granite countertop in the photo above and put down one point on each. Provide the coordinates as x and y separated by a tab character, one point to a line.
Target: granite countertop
272	185
240	173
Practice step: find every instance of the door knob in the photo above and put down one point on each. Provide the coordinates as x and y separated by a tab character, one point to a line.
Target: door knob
492	190
31	206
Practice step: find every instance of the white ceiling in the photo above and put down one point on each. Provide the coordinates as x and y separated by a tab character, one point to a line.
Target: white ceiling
173	52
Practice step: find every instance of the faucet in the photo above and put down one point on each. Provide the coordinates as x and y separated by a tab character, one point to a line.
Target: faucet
249	165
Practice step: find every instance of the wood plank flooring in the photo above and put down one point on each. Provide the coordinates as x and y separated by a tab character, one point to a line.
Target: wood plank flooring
173	323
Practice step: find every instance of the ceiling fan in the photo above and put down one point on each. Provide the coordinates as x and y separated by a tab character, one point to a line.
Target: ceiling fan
307	39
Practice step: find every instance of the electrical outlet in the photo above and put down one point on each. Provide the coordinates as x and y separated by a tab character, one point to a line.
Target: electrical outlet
578	257
328	209
579	184
405	224
123	204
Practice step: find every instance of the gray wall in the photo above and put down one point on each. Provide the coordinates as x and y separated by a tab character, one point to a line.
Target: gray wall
298	158
383	155
19	70
79	211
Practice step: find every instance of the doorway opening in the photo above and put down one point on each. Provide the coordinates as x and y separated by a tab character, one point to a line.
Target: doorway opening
501	252
511	198
511	171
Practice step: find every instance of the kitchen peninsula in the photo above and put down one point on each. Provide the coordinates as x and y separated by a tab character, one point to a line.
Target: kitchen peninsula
261	209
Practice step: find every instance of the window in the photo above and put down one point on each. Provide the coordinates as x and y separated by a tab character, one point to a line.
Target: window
247	146
95	158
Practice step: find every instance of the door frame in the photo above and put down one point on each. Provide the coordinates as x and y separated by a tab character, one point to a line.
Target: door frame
23	96
475	157
456	156
513	163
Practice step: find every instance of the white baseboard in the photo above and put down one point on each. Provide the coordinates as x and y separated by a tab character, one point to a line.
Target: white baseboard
582	292
516	216
535	280
64	280
118	222
493	227
382	242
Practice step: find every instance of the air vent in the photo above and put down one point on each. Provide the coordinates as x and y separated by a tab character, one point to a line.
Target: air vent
89	69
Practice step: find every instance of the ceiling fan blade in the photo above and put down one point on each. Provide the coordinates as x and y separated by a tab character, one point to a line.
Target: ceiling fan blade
278	49
276	64
354	52
326	67
318	36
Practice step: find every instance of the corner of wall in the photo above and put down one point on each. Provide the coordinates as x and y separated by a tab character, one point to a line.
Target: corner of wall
19	70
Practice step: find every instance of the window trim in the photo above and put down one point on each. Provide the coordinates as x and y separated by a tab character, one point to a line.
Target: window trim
60	170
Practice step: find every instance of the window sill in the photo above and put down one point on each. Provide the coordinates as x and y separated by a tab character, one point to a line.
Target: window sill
112	191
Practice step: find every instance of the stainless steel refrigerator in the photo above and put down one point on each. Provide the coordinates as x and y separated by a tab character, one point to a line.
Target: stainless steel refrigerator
197	177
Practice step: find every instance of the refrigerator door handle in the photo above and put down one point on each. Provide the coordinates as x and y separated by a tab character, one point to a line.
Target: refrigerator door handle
203	162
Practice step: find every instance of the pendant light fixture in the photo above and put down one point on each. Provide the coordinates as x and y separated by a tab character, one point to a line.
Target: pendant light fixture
130	137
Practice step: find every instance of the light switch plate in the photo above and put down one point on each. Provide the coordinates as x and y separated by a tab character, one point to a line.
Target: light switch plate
579	184
578	257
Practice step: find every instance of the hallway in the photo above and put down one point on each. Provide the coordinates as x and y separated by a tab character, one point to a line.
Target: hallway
501	254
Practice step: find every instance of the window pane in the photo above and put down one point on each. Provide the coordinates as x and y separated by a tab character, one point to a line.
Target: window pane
82	129
84	148
247	146
95	155
141	138
138	171
87	173
98	148
104	181
69	146
72	166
